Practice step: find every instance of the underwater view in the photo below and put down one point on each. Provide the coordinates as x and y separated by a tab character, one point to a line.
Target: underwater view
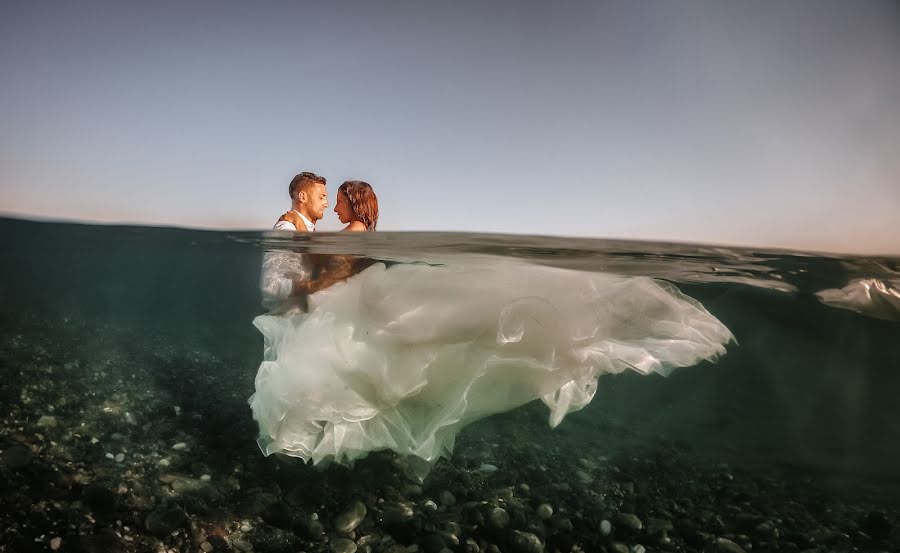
442	392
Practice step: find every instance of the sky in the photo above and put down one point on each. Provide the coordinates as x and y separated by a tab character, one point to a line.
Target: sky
769	123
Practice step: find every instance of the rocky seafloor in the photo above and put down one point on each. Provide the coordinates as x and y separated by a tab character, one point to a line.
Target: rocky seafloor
115	440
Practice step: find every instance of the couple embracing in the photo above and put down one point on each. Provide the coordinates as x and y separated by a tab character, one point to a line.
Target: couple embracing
289	277
356	206
363	356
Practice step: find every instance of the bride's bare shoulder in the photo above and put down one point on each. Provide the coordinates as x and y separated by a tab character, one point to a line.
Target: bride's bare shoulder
356	226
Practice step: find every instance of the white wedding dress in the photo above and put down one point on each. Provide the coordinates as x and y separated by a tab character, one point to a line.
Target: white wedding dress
403	357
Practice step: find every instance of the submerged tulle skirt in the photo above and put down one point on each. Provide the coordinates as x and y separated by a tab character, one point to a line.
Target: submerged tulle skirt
403	357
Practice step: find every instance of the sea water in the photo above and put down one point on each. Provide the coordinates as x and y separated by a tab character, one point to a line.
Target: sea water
128	356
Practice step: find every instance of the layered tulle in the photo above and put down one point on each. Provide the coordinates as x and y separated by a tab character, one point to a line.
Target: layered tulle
404	357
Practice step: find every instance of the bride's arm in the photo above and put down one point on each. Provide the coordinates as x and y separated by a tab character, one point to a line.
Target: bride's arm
328	270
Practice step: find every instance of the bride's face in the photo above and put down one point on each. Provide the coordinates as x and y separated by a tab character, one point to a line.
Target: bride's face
343	209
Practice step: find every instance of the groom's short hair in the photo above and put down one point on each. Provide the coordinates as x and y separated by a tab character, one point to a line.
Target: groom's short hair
302	182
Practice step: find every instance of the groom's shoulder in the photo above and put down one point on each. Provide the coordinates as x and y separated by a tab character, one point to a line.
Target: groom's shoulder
292	218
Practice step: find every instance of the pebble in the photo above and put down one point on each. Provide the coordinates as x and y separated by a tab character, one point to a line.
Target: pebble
544	511
525	542
17	457
499	518
242	545
120	457
94	441
206	478
47	421
446	498
605	527
349	519
182	484
206	546
110	456
413	490
163	462
342	545
487	468
179	446
728	546
396	512
583	477
629	521
55	543
430	505
638	549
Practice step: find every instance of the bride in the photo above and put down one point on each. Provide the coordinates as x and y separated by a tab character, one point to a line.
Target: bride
403	357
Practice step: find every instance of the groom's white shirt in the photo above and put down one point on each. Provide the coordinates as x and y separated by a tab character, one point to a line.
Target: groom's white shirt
287	225
275	287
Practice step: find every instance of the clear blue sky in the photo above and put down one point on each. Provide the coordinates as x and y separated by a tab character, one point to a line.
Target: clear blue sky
757	123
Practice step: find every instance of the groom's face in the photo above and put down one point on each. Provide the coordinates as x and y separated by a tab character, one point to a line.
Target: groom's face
317	200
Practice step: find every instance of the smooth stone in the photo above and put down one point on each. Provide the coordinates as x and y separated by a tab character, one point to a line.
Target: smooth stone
499	518
453	529
628	520
182	484
206	546
55	543
638	548
430	505
728	546
395	512
605	527
179	446
658	526
17	457
487	468
350	518
619	547
544	511
47	421
413	490
342	545
525	542
120	457
446	498
242	545
561	523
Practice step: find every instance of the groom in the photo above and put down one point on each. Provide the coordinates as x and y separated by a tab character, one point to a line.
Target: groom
309	199
287	277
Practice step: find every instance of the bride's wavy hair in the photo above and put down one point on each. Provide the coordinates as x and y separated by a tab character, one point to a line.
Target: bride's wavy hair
363	201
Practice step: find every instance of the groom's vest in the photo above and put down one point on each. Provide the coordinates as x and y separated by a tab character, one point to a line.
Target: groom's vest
293	219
